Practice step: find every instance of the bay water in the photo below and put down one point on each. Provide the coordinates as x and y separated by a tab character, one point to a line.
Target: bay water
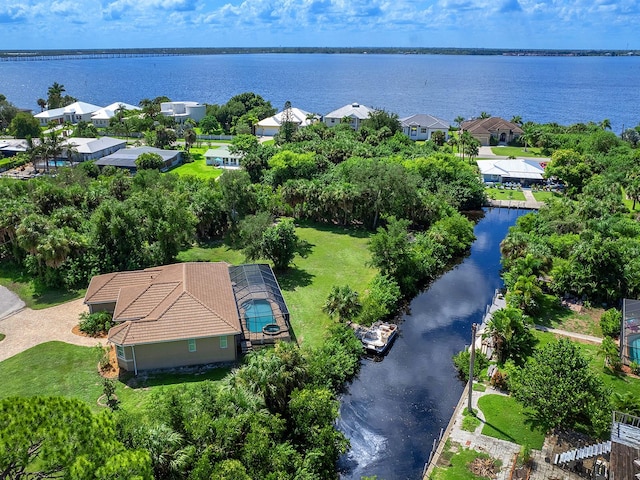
541	89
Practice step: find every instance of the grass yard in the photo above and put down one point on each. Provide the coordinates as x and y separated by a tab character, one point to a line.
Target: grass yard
33	295
506	419
57	368
554	315
198	168
338	257
542	196
458	469
504	194
516	152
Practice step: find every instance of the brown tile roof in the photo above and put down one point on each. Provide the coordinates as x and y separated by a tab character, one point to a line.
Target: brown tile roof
174	302
105	288
490	125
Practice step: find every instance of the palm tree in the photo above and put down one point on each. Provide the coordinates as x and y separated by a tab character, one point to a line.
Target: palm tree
343	303
190	138
458	121
605	124
55	95
484	115
42	103
517	119
526	294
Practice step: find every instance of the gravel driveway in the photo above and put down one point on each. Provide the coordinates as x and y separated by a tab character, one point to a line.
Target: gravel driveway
25	328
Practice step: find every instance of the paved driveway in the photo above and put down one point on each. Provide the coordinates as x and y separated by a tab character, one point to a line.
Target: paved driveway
26	328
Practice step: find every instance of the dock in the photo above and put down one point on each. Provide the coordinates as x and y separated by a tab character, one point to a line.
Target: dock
529	203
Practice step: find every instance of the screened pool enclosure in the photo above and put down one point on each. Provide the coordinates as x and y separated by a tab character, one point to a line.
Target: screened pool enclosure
263	312
630	332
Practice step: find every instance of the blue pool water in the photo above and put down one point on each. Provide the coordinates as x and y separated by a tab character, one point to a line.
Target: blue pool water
258	313
634	349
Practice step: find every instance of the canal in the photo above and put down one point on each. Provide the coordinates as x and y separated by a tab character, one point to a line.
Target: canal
395	408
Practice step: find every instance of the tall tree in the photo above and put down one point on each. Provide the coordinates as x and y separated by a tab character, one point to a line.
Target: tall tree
342	302
54	95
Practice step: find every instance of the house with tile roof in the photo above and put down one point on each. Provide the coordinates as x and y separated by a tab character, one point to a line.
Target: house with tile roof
102	117
188	313
270	126
352	114
422	126
484	129
74	113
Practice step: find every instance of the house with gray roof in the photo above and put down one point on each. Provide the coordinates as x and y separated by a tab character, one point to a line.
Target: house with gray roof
222	157
422	126
352	114
126	158
79	149
519	170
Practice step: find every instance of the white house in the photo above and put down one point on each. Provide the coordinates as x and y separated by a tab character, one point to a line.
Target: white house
509	170
268	127
101	118
181	111
222	157
352	114
422	127
74	113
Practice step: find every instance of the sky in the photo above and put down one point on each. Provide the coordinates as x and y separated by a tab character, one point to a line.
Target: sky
521	24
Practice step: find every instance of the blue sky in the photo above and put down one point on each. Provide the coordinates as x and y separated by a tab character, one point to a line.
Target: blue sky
574	24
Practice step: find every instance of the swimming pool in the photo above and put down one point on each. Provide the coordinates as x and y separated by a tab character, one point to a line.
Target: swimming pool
634	348
257	314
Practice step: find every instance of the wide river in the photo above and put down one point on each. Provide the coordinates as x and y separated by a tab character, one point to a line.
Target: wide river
542	89
395	408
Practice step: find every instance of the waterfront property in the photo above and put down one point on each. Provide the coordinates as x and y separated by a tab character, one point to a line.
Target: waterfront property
524	172
82	149
492	130
353	114
422	127
270	126
630	332
102	117
126	158
182	111
189	313
74	113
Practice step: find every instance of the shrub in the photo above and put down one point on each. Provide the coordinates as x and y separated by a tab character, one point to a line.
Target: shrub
382	300
95	323
461	361
499	381
610	323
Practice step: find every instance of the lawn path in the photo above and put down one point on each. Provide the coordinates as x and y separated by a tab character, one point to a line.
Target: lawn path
578	337
27	328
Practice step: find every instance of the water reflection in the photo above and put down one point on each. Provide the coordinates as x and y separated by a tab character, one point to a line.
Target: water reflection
395	408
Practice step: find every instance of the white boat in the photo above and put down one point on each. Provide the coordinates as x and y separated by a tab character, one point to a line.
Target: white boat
378	338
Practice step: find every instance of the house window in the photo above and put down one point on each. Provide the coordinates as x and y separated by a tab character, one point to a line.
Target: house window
192	344
120	352
223	342
423	130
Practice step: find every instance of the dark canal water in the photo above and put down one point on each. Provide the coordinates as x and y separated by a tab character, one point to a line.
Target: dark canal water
395	408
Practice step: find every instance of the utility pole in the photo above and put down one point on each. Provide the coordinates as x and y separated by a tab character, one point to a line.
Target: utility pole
472	359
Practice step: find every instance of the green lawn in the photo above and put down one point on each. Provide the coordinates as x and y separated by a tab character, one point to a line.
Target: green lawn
57	368
199	167
338	257
506	419
516	152
542	196
35	296
554	315
458	469
504	194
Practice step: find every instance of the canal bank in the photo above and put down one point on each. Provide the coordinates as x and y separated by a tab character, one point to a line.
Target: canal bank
395	408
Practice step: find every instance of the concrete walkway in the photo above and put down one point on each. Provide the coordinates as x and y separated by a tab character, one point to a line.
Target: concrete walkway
497	449
9	302
578	337
27	328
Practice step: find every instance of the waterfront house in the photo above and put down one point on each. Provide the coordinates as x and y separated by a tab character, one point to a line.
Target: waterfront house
352	114
222	157
268	127
422	127
189	313
10	147
520	171
181	111
492	130
74	113
102	117
126	158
